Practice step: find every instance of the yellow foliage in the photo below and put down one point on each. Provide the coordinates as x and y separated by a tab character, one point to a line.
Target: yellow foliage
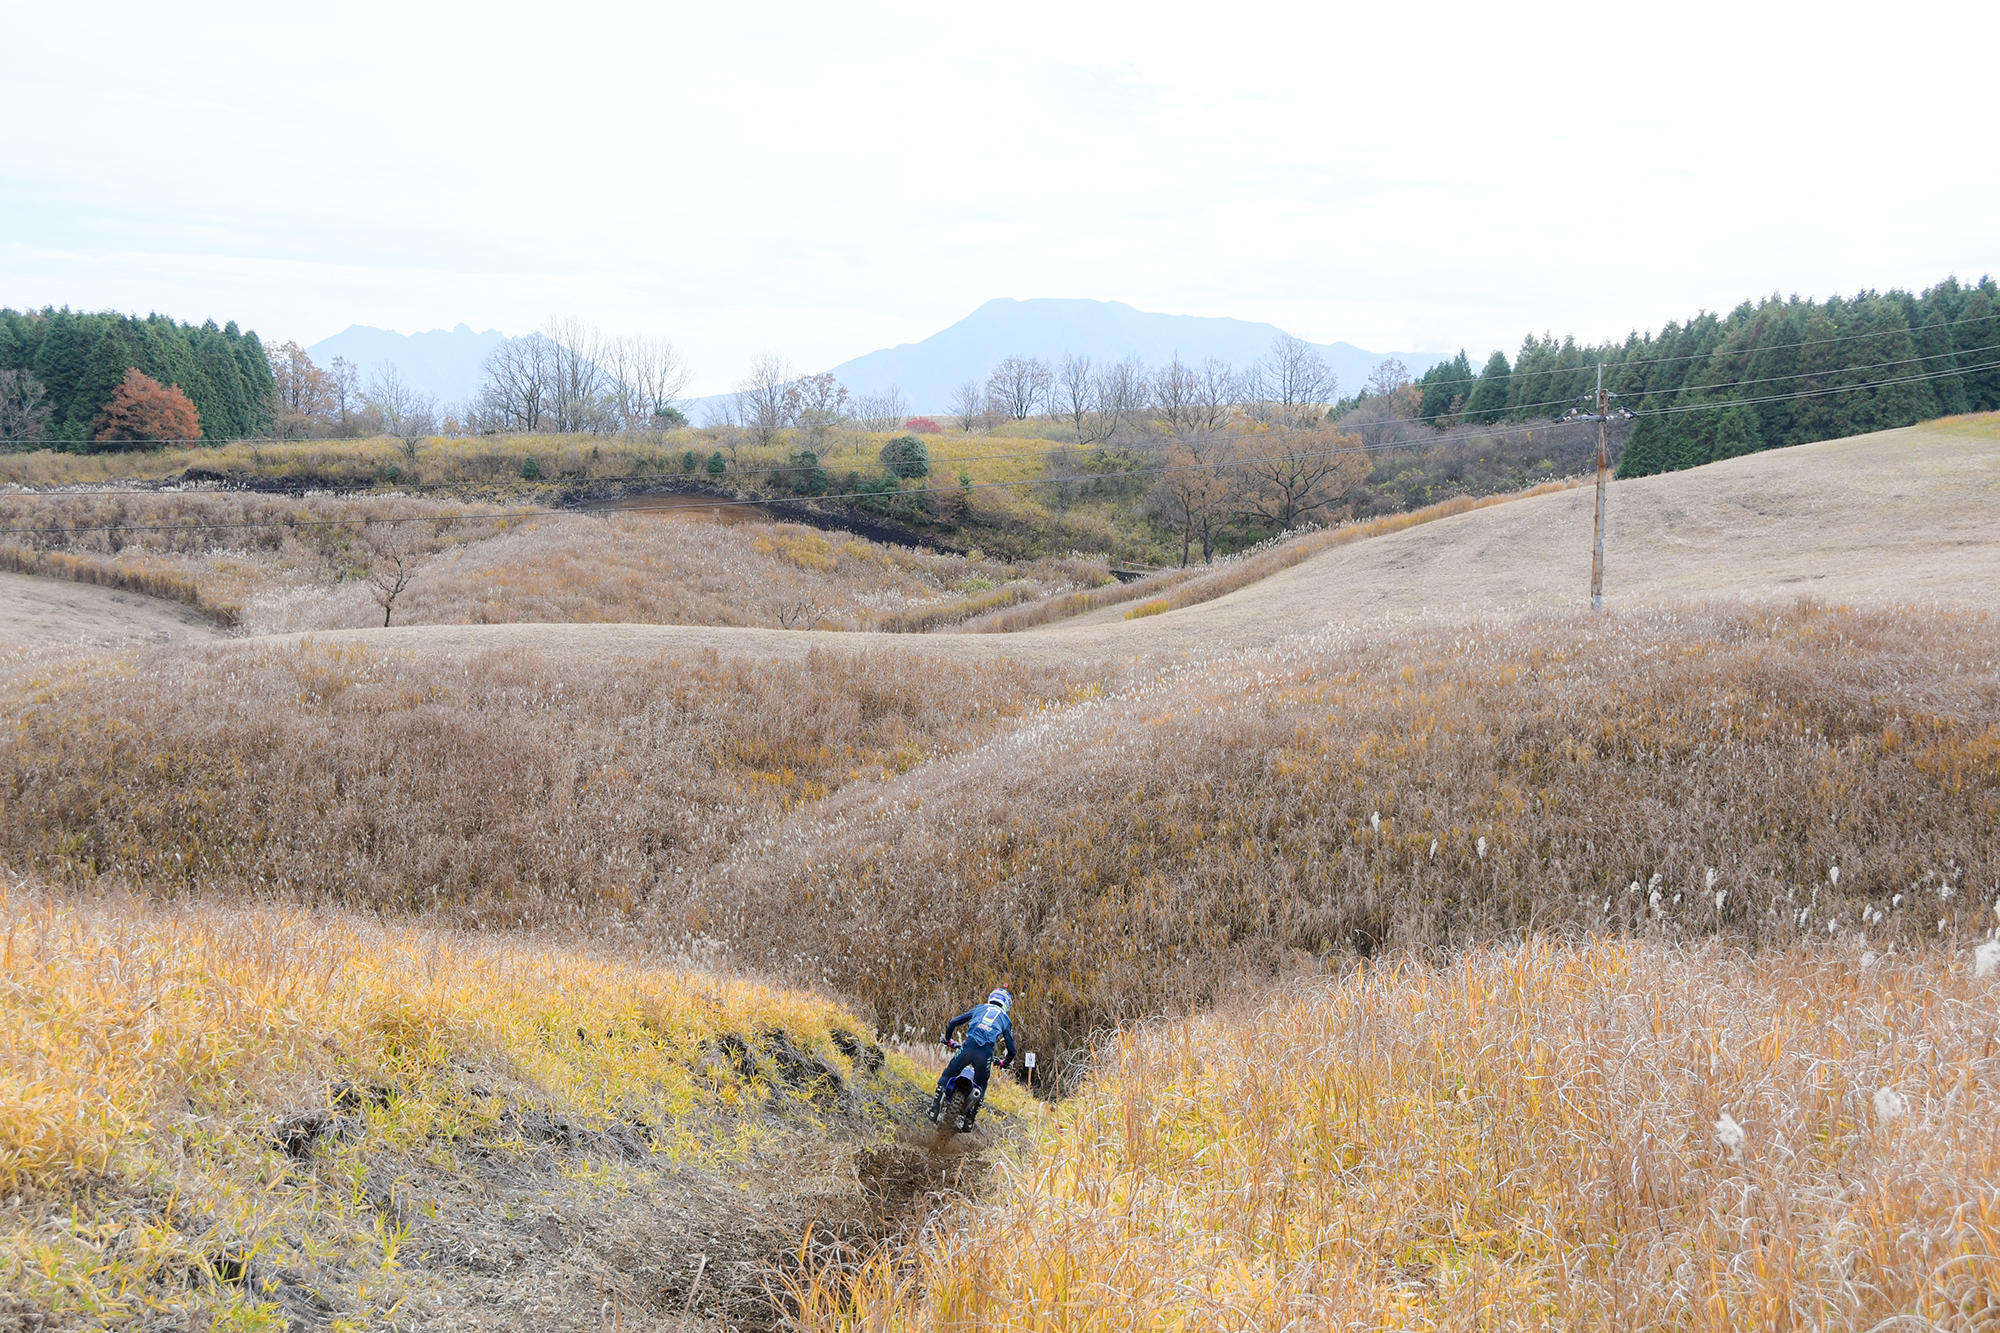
1529	1137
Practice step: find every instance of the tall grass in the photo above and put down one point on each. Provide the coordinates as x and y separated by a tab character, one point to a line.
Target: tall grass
1767	775
507	787
155	1055
1615	1135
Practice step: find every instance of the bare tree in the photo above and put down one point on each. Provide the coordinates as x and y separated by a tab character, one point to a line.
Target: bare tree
1124	393
519	384
1387	377
1217	390
1177	396
404	413
968	404
1291	385
647	378
1294	475
394	566
1019	386
577	381
760	397
22	409
1076	394
881	411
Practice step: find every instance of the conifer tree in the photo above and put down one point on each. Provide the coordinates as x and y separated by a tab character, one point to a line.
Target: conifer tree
1978	326
1489	396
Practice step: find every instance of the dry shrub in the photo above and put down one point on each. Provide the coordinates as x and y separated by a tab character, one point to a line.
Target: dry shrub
1529	1137
507	786
1763	774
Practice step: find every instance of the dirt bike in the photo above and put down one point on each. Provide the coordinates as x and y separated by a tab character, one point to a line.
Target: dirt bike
962	1096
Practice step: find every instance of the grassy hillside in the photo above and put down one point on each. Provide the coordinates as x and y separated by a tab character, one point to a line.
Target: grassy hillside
1616	1135
1411	747
252	1118
272	564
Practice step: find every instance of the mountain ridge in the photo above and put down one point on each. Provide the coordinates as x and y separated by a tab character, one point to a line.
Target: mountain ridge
447	363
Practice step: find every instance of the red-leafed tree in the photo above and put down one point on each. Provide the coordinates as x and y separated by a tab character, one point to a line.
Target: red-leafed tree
142	410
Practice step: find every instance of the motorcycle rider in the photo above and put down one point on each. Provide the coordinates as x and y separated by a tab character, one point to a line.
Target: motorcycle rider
986	1026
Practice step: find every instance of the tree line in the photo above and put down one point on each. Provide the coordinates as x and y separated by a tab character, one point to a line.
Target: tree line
76	380
1770	373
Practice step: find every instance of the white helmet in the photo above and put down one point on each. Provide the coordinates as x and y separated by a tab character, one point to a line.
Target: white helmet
1003	999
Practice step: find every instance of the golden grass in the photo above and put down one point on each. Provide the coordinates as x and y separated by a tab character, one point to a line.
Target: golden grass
152	1053
1526	1137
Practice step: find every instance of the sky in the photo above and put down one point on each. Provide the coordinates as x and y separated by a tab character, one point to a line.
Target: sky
822	180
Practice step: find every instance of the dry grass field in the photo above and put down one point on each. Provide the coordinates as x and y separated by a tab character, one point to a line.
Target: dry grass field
244	1118
1609	1136
1397	931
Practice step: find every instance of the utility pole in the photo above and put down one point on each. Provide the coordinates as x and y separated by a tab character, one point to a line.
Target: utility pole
1602	416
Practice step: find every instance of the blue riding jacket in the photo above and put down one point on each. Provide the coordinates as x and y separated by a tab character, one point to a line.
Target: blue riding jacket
985	1025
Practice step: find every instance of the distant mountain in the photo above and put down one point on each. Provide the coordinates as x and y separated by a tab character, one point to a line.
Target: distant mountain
928	371
443	364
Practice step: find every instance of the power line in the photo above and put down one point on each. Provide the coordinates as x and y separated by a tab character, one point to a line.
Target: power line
1753	348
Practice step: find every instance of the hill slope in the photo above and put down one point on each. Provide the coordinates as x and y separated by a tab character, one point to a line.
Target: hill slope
1903	516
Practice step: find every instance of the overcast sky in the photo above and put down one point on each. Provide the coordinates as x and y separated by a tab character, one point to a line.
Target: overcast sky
822	180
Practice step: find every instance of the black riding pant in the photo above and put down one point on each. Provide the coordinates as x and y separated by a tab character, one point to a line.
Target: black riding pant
979	1057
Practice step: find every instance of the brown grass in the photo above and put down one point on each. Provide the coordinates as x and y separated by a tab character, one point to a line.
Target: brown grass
1524	1138
169	584
1143	853
284	565
1175	588
508	787
654	570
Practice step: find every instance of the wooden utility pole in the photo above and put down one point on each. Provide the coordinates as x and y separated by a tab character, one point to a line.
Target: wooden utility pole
1602	416
1603	467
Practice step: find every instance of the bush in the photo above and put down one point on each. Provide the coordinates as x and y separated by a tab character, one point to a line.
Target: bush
690	460
717	465
669	418
530	469
807	476
923	426
906	457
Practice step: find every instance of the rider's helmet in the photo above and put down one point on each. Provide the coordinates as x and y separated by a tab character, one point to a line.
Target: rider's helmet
1003	999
